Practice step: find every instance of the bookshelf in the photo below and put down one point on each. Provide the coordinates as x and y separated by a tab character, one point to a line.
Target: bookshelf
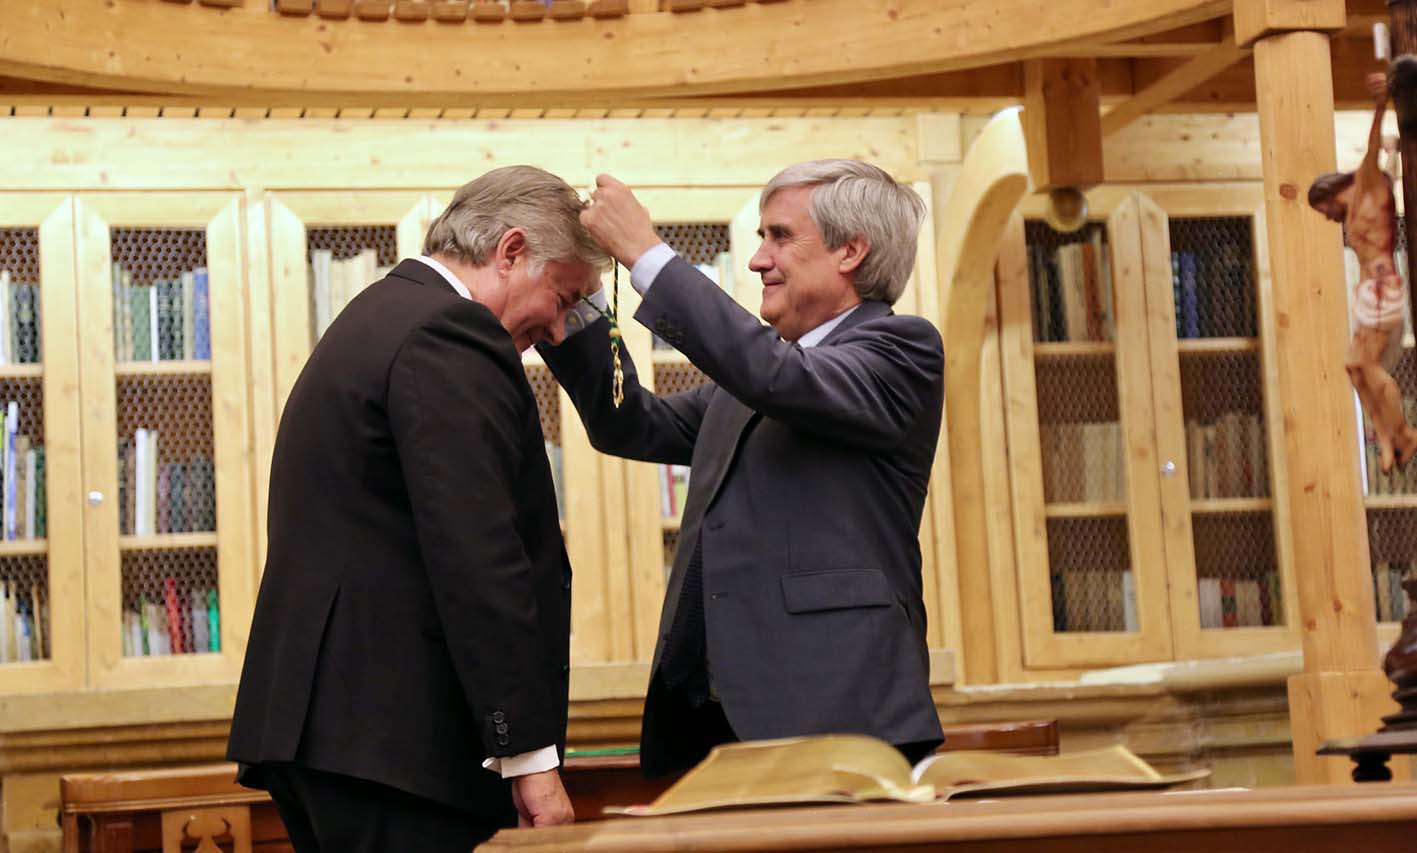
166	436
1143	506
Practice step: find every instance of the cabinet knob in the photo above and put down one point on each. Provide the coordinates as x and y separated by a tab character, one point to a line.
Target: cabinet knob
95	498
1168	468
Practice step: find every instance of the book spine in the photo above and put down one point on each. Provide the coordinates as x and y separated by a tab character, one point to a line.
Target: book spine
213	622
174	615
201	316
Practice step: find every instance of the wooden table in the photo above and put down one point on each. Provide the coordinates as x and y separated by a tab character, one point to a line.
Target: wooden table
134	811
1375	818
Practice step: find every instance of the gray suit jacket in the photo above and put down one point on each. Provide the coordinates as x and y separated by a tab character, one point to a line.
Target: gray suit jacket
809	474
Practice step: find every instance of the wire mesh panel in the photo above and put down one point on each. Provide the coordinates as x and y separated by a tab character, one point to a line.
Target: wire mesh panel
1237	583
24	608
164	446
1070	283
696	242
1213	278
1393	548
170	602
1227	441
160	295
1080	430
343	260
20	324
1089	567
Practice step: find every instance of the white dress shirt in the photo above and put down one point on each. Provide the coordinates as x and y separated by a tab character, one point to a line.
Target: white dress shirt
537	760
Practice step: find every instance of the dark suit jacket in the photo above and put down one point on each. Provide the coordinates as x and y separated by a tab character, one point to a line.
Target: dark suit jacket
810	469
414	614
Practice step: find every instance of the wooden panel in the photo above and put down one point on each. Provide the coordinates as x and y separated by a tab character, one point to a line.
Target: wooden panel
260	397
337	155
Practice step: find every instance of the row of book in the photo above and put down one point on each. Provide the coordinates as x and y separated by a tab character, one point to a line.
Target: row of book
1228	458
19	321
24	622
23	498
1248	602
1072	291
333	283
721	273
1213	292
1391	598
673	490
1082	462
183	622
1094	600
1401	481
157	497
164	320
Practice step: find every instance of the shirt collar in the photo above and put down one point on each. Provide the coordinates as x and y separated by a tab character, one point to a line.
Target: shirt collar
815	336
453	281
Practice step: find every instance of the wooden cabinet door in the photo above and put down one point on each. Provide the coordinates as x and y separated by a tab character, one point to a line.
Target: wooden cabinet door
167	462
1086	479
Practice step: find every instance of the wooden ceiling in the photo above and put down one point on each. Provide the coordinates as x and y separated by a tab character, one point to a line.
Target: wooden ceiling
69	57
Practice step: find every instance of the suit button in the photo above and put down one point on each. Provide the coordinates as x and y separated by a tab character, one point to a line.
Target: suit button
566	584
498	716
501	728
503	740
566	669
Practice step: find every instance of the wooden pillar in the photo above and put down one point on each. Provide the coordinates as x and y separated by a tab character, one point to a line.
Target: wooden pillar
1062	122
1341	691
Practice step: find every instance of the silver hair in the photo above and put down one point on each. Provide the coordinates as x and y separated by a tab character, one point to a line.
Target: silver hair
855	199
538	202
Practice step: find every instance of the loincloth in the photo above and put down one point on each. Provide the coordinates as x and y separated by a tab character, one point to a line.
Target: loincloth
1378	302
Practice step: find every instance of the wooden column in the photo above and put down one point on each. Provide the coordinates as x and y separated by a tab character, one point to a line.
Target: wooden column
1062	122
1341	691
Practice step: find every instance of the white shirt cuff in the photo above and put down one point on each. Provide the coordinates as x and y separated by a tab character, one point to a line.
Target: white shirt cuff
528	762
582	315
648	267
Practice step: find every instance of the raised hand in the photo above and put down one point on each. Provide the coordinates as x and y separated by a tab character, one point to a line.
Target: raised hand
618	222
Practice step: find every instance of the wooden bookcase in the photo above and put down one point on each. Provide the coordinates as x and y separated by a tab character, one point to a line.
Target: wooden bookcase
1143	463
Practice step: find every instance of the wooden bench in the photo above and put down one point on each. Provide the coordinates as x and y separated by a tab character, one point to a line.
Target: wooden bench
178	808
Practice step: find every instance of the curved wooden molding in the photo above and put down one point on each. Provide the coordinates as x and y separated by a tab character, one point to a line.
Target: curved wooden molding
161	47
992	182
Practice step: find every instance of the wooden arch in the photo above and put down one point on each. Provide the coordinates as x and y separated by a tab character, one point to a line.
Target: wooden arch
147	46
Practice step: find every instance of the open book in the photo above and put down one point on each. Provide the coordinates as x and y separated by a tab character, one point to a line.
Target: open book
858	768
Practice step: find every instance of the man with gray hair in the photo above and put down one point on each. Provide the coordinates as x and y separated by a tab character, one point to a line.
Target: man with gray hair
794	605
405	683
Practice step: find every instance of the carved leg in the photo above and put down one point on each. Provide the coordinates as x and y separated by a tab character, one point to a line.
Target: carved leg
1371	767
1402	85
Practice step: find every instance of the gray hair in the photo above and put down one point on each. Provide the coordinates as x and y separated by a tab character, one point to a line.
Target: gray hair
855	199
538	202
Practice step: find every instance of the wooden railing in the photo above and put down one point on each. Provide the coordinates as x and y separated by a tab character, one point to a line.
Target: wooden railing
481	11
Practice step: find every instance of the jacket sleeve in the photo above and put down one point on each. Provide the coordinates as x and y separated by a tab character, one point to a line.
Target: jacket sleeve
647	427
868	387
458	419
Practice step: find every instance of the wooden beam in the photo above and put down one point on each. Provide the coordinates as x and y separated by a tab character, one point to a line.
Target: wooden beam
1257	19
1341	692
1062	122
1173	85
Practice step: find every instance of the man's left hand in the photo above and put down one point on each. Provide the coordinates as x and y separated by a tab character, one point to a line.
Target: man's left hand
618	222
